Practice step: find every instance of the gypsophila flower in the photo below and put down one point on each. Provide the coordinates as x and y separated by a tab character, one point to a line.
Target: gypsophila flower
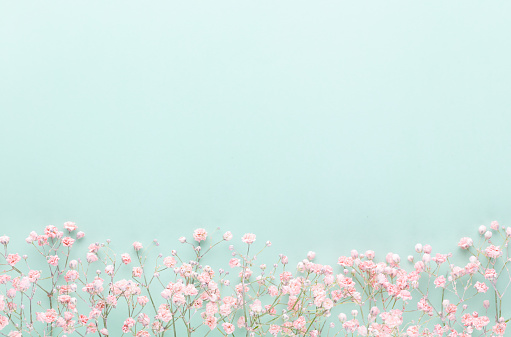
4	240
248	238
200	234
255	299
227	236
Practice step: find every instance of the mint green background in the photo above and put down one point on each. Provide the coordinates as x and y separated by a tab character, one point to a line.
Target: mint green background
320	125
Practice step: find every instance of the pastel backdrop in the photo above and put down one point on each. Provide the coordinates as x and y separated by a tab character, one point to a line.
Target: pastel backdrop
324	126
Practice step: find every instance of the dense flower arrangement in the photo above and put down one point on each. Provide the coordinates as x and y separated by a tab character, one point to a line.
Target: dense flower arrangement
107	294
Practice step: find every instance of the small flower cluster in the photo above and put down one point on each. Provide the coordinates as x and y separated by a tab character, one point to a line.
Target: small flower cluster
107	294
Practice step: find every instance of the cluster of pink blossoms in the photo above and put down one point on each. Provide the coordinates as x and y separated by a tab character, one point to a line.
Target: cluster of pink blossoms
61	291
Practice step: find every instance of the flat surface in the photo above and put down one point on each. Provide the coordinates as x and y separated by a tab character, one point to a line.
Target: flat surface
325	125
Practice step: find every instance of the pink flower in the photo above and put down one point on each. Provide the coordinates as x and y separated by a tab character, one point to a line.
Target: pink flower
273	291
490	274
392	319
493	251
405	295
248	238
200	234
465	243
109	270
286	276
440	258
111	300
67	241
93	248
11	293
143	319
471	268
234	263
367	265
481	287
345	261
166	294
70	226
137	245
34	275
451	308
190	290
71	275
4	321
424	305
494	225
351	325
137	271
80	235
51	231
299	323
130	322
126	259
142	300
169	261
4	240
274	329
311	255
228	328
91	257
440	282
481	322
12	259
211	322
227	236
413	331
49	316
370	254
499	329
53	260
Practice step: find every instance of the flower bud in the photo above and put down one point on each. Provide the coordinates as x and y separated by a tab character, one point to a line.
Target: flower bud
4	240
311	255
370	254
